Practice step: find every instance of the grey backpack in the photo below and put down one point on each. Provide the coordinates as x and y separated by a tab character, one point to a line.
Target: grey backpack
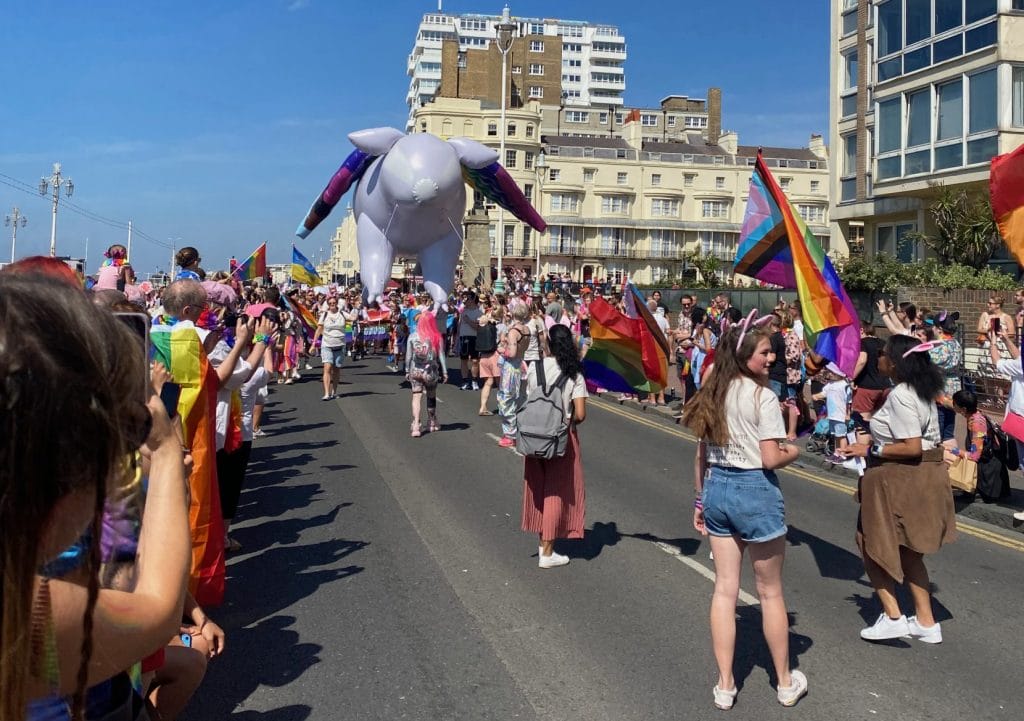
541	429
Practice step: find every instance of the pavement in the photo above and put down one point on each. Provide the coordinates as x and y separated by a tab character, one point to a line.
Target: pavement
385	577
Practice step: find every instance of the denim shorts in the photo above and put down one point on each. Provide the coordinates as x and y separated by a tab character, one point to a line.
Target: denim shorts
839	428
332	356
744	503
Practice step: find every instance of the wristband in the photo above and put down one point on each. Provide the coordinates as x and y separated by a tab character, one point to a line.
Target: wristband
261	338
698	504
875	450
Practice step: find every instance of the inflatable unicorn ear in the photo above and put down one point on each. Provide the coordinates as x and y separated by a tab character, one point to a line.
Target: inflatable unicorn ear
410	199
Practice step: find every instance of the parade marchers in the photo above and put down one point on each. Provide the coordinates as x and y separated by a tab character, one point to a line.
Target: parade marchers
91	629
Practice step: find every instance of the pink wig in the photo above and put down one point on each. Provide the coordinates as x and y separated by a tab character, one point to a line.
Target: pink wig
426	328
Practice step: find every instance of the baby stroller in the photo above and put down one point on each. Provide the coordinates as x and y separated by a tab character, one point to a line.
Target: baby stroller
821	440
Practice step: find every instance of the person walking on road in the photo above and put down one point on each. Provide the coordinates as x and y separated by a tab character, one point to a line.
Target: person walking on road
424	365
906	509
739	503
513	348
331	333
553	493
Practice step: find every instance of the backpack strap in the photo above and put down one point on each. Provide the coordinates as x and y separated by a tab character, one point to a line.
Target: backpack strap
541	380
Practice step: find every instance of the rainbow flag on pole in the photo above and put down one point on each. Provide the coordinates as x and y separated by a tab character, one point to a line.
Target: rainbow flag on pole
253	267
302	270
1006	186
777	247
624	355
181	351
304	315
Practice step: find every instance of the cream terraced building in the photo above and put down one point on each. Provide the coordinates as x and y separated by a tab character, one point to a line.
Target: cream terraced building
620	206
923	92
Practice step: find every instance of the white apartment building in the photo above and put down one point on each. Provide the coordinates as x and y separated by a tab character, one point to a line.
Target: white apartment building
593	54
922	92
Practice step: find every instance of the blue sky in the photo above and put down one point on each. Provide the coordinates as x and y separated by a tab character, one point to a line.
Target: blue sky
217	122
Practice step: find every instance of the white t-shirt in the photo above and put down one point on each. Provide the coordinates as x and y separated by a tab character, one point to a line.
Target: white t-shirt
753	415
836	400
534	327
239	375
1012	368
904	415
798	328
574	387
250	392
334	329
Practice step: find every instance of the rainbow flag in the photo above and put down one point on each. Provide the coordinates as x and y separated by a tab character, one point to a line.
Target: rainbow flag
181	351
1006	187
776	247
302	270
305	316
624	355
656	351
253	267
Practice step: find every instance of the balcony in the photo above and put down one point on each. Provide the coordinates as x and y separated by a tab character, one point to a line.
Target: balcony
618	250
519	250
607	84
665	253
607	53
563	248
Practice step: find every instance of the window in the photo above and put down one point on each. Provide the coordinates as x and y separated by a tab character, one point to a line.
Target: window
536	69
536	46
696	121
720	182
565	203
890	28
811	213
570	31
714	209
492	129
528	160
718	160
815	186
569	78
784	183
671	121
619	117
665	207
563	239
655	178
664	243
918	132
602	117
572	48
529	131
511	129
588	175
528	192
536	91
613	241
536	28
570	63
688	180
577	116
621	178
517	69
510	158
554	174
892	240
720	245
475	24
615	204
850	74
982	112
649	119
1017	88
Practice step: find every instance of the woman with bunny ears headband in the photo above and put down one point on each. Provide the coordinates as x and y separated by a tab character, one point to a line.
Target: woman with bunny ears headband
739	504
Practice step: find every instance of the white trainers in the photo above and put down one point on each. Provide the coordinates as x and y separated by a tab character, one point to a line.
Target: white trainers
553	561
309	367
725	699
476	386
327	397
796	690
1019	515
886	628
929	634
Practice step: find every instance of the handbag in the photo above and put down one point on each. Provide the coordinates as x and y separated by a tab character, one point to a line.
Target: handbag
964	475
1014	425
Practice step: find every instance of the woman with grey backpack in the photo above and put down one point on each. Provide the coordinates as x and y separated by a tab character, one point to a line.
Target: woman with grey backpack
553	493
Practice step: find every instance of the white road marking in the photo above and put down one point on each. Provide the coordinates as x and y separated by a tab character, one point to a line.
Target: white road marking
703	570
498	438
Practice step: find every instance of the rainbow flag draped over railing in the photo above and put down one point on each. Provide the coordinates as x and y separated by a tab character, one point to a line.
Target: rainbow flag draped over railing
624	354
253	267
180	350
776	247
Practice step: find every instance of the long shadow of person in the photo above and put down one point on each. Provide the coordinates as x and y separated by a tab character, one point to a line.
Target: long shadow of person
752	650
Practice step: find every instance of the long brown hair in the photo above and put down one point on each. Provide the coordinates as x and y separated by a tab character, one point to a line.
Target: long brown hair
705	414
70	413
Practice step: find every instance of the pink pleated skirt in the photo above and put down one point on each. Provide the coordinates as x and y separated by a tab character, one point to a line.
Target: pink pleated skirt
554	501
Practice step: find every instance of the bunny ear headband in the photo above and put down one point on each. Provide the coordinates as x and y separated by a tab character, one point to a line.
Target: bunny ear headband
751	321
921	348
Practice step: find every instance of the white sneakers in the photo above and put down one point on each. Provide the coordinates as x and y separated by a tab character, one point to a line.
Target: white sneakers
787	695
886	628
725	699
1019	515
553	561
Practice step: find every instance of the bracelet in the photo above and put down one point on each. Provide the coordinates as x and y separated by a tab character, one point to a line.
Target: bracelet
261	338
698	504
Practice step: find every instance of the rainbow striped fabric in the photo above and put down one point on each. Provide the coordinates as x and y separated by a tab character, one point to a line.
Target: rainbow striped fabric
624	355
253	267
350	171
497	185
1006	186
305	316
776	247
180	350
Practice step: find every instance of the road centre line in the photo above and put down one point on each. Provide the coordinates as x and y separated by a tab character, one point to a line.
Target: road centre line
967	528
702	570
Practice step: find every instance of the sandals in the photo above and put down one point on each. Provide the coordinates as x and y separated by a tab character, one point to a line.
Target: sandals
485	413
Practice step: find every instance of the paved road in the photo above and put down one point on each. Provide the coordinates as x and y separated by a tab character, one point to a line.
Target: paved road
385	577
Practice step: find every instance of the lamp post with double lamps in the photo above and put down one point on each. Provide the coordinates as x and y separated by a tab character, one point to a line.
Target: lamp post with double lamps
55	181
506	30
13	220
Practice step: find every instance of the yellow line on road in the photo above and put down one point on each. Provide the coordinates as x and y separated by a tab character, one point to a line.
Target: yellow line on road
969	529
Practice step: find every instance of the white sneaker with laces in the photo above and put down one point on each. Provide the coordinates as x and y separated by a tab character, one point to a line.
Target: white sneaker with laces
796	690
327	397
553	561
725	699
309	367
476	386
929	634
886	628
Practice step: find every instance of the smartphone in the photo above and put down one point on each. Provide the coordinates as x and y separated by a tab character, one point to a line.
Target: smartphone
139	325
996	325
170	394
186	640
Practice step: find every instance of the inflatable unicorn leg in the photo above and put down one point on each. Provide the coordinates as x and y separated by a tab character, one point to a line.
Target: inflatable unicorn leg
375	256
438	262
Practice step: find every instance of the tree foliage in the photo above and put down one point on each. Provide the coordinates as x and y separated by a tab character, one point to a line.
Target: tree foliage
708	265
883	273
967	232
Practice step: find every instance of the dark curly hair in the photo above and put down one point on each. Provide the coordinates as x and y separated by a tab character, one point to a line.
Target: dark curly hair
563	348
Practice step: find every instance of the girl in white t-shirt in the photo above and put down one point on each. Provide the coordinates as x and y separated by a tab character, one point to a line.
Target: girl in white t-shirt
739	503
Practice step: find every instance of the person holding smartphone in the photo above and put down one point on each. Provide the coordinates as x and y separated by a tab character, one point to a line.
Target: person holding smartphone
994	320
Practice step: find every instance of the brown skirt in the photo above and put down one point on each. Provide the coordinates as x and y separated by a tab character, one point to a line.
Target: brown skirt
905	504
553	499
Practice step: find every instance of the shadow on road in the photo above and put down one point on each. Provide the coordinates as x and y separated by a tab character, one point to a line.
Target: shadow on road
752	650
833	561
601	535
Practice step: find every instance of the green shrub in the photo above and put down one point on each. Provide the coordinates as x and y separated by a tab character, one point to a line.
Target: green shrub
884	274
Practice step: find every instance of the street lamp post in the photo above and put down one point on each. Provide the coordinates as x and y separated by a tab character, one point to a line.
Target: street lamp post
174	257
506	34
56	180
13	220
541	165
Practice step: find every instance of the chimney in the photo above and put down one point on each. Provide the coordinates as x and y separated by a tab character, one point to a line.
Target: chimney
714	115
817	146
